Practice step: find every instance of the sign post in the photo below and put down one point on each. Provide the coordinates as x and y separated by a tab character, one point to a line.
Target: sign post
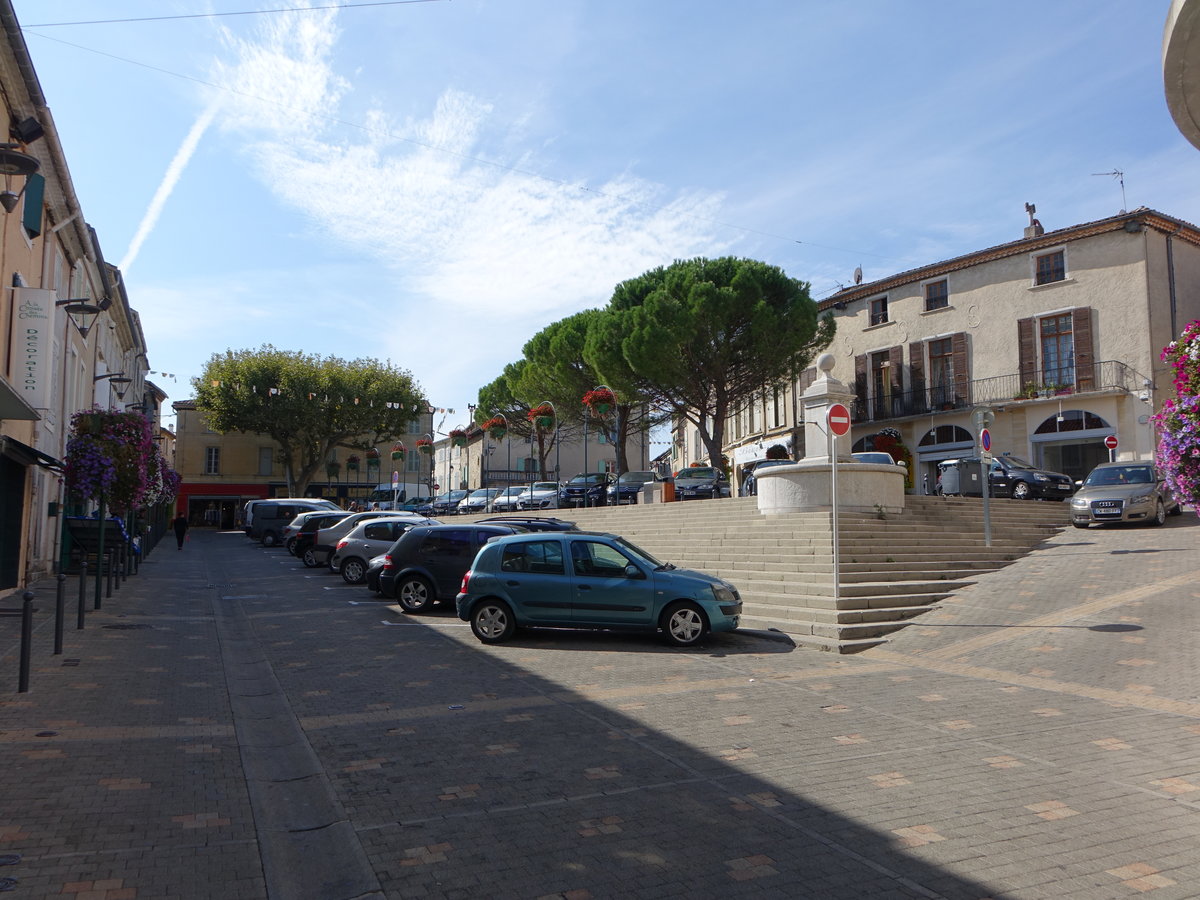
395	488
837	420
1111	443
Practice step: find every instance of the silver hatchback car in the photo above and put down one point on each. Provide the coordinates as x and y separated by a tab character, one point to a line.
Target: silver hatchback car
1130	491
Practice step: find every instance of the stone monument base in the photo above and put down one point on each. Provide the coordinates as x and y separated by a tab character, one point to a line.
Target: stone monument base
807	485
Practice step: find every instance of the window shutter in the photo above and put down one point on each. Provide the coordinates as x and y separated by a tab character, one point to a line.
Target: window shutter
1085	355
860	385
31	216
916	373
1027	353
896	364
960	359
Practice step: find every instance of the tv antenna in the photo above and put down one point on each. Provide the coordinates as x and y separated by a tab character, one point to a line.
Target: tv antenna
1120	176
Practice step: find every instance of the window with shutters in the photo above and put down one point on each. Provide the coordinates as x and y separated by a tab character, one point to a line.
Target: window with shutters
266	460
212	460
1058	350
941	372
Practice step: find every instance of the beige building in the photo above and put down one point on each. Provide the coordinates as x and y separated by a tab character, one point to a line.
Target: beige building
69	339
1057	333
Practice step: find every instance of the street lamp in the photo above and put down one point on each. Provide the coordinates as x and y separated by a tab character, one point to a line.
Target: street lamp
82	312
119	380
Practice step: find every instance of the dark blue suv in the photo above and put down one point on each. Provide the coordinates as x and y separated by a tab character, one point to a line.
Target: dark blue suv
585	489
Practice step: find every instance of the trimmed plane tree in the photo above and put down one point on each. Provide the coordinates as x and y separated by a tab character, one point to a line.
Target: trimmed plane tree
307	404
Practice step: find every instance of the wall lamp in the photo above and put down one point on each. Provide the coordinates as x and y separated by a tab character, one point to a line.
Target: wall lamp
119	380
83	313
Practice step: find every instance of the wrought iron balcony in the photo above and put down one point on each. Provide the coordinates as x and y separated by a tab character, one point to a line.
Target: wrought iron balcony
1101	377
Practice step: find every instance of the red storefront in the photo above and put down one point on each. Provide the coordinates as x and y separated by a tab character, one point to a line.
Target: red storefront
219	505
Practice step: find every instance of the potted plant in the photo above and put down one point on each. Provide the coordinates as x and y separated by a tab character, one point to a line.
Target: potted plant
458	437
425	446
542	416
600	400
496	427
333	469
399	451
352	463
372	459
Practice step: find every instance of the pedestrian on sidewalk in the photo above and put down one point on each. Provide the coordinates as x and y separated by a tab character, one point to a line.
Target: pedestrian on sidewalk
181	526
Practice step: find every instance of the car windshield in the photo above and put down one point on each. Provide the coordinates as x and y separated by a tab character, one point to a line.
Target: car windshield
636	477
639	554
484	493
545	486
699	472
1120	475
1015	462
513	491
590	478
767	463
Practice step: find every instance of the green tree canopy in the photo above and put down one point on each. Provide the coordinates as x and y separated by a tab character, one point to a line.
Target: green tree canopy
702	336
308	404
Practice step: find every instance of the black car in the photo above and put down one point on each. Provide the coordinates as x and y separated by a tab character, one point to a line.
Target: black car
426	564
303	540
627	488
1011	476
444	504
750	484
701	483
585	489
374	569
530	523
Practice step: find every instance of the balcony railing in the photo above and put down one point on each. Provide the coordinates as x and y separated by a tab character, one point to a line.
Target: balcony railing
1109	375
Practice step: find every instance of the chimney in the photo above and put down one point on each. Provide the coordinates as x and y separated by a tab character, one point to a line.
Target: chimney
1034	228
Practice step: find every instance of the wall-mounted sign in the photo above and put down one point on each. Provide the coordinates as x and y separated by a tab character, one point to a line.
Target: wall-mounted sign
31	346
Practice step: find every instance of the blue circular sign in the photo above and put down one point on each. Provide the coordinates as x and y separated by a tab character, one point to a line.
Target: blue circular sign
985	440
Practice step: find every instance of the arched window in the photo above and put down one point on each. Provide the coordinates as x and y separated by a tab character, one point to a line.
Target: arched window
1071	420
945	434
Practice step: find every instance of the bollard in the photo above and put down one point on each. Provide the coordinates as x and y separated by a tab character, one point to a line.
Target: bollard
118	565
59	608
108	566
26	641
82	594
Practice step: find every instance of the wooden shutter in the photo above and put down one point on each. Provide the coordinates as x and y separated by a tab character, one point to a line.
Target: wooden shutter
1085	351
860	388
896	364
960	359
1026	354
31	215
916	375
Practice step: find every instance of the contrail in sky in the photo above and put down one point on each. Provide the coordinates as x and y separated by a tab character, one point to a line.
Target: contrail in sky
170	179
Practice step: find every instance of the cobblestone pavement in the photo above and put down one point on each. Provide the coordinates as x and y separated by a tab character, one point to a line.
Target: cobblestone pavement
232	725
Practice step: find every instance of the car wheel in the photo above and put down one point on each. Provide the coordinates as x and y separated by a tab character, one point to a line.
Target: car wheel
309	558
1020	490
1160	513
1177	510
415	594
291	546
492	621
1080	524
354	570
683	624
269	539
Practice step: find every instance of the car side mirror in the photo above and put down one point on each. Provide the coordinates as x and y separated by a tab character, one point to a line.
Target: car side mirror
632	571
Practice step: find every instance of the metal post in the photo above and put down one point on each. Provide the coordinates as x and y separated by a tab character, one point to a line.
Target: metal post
79	616
987	511
833	497
26	641
59	607
108	565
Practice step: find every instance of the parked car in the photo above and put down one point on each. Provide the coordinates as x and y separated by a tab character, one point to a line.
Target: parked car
875	456
301	529
413	504
374	568
1008	476
590	580
750	483
539	495
367	540
426	564
478	501
326	539
531	523
585	489
701	483
506	500
629	485
265	519
445	504
1132	491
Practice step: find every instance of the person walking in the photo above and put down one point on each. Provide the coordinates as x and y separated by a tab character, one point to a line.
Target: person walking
181	526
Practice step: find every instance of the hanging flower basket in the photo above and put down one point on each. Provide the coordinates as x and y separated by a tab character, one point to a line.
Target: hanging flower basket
496	427
352	464
600	401
425	446
399	451
112	455
458	438
333	469
372	456
542	416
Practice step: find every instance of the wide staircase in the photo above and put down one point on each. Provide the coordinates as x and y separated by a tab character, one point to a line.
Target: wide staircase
893	567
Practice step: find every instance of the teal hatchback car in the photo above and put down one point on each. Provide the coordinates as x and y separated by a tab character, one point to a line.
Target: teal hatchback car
582	579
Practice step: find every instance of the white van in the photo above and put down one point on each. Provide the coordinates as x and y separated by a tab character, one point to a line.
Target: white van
265	519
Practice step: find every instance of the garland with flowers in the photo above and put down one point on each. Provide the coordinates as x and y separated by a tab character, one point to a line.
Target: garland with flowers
1179	420
113	455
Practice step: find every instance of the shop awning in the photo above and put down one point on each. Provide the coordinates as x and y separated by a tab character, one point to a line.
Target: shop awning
28	456
12	406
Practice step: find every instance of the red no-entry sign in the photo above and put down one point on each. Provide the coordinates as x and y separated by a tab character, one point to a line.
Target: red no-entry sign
839	419
1111	442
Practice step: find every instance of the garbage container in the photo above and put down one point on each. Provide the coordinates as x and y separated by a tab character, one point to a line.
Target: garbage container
947	482
668	490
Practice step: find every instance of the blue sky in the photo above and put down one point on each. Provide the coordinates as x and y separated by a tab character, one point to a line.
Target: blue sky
434	182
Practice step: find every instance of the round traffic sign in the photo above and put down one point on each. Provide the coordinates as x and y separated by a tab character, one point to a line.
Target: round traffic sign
985	440
838	418
395	478
1111	442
